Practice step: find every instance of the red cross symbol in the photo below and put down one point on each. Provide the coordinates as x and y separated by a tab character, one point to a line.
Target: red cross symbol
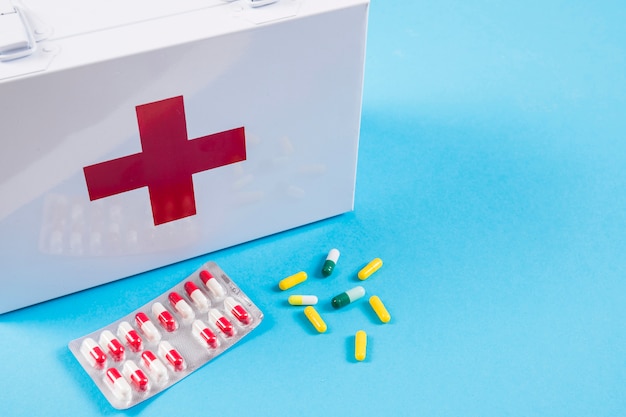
167	161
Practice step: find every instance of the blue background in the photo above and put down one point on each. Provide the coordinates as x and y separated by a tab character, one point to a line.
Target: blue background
491	181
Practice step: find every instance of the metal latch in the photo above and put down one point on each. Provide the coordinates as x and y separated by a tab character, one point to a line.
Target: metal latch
259	3
17	38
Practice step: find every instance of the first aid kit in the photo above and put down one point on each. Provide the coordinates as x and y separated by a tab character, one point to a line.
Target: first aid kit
139	134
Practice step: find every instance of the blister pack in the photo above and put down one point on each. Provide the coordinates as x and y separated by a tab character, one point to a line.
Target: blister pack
160	343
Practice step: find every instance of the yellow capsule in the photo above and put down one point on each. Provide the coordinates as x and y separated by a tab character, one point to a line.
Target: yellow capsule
360	345
292	281
380	309
370	268
315	319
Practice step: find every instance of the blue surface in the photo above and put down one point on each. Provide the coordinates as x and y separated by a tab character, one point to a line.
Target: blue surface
491	181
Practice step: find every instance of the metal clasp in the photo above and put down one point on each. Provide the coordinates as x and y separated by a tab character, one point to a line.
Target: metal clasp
17	39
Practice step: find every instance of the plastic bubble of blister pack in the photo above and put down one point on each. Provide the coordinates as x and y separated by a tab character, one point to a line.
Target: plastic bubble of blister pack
160	343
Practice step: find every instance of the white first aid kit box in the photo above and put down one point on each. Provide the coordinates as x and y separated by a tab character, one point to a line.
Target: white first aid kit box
137	134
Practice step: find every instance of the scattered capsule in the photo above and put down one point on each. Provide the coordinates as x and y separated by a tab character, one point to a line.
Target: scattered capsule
147	327
118	385
379	309
136	376
212	284
221	322
302	300
204	334
370	268
348	297
315	319
112	344
93	353
165	317
126	332
198	298
331	261
360	345
180	305
171	355
292	280
237	310
155	367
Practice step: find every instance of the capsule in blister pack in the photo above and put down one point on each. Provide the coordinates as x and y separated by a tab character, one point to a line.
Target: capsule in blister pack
160	343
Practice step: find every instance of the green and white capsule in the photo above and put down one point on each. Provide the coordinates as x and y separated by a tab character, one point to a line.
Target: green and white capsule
331	261
348	297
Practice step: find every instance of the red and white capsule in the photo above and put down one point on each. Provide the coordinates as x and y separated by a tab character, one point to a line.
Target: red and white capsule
147	327
118	385
198	298
221	322
138	379
237	310
204	334
130	335
93	353
180	305
165	318
112	344
155	367
212	284
171	356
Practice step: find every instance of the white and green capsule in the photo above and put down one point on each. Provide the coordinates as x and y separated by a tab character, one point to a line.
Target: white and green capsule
331	261
348	297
